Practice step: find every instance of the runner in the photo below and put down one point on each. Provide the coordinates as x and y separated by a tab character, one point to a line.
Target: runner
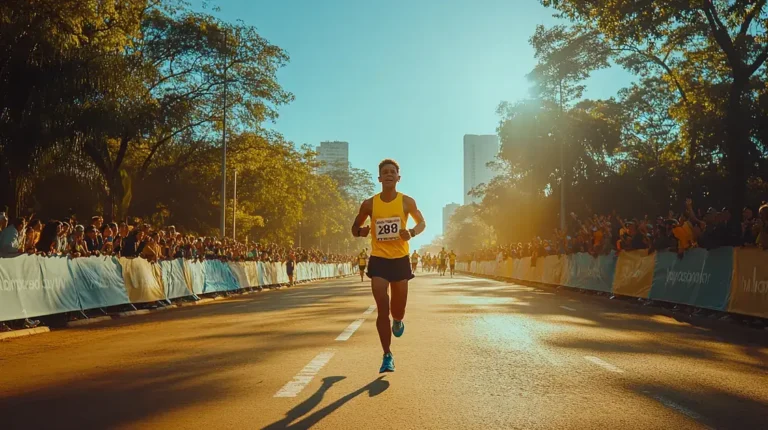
362	261
441	260
290	264
452	261
389	268
414	261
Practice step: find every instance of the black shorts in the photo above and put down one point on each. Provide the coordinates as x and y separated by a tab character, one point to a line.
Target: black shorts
362	268
391	269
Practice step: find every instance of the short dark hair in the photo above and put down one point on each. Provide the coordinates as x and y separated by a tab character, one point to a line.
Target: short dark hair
386	161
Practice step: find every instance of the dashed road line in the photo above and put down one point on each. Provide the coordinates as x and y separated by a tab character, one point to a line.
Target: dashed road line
305	376
604	364
676	407
352	328
567	308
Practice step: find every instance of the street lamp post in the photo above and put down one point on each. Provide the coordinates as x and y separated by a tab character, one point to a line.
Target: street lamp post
234	208
223	35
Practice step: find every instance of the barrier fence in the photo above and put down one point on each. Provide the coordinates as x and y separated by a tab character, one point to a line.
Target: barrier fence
33	286
723	279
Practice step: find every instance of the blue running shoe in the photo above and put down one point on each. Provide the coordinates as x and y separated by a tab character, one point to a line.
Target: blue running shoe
398	327
388	365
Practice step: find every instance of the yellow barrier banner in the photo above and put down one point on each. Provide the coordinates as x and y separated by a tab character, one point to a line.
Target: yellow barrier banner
634	273
749	284
143	280
552	269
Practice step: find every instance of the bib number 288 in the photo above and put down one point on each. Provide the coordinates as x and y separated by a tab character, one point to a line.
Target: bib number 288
388	229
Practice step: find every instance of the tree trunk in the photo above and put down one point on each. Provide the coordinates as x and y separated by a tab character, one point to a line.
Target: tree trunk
737	131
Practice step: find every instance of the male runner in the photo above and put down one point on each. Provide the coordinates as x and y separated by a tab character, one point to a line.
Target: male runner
441	260
362	260
414	261
389	268
452	261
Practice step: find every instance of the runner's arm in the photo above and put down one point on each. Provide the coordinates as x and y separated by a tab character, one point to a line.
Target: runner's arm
365	211
412	210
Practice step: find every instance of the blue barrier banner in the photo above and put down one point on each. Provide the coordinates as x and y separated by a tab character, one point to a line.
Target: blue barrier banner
238	271
196	271
100	282
54	288
176	280
11	280
218	277
262	281
590	273
701	278
35	286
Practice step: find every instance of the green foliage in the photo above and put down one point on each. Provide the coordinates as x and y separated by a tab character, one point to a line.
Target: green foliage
121	104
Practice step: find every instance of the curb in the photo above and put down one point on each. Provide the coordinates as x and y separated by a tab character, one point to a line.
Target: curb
24	332
131	313
195	303
88	321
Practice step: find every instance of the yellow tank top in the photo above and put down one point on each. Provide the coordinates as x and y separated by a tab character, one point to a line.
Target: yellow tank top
362	260
387	219
414	258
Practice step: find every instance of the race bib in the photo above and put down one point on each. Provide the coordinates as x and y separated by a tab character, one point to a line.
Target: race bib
387	229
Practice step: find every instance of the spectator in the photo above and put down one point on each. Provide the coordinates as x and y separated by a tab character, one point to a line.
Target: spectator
32	235
130	246
49	239
91	241
12	238
748	236
3	221
152	251
78	247
62	241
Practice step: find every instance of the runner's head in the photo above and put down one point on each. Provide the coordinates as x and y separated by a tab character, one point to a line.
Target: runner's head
389	173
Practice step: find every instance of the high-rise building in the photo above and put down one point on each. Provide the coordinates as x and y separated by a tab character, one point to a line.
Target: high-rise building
478	151
448	211
333	155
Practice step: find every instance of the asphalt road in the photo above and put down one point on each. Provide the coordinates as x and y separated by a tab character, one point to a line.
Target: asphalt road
475	354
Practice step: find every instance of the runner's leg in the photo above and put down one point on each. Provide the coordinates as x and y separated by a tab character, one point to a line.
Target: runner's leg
379	288
399	299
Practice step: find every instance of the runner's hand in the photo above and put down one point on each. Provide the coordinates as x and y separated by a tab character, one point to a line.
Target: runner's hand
364	231
405	234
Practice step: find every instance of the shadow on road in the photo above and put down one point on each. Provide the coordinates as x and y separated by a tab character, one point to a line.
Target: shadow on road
378	386
690	339
708	405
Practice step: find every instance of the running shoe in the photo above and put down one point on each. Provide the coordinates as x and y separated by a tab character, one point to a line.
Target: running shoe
398	327
388	365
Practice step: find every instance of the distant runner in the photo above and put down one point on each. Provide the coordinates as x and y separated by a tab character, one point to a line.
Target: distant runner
414	261
362	261
442	261
389	268
452	262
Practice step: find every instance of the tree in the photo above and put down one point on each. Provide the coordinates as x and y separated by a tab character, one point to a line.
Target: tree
673	40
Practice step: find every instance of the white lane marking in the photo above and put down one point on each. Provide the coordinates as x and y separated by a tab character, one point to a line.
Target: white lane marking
567	308
352	328
603	364
305	376
677	407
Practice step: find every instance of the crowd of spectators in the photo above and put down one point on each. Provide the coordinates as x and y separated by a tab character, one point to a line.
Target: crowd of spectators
601	234
99	238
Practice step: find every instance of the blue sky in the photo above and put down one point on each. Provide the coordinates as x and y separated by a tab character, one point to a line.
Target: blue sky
403	79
